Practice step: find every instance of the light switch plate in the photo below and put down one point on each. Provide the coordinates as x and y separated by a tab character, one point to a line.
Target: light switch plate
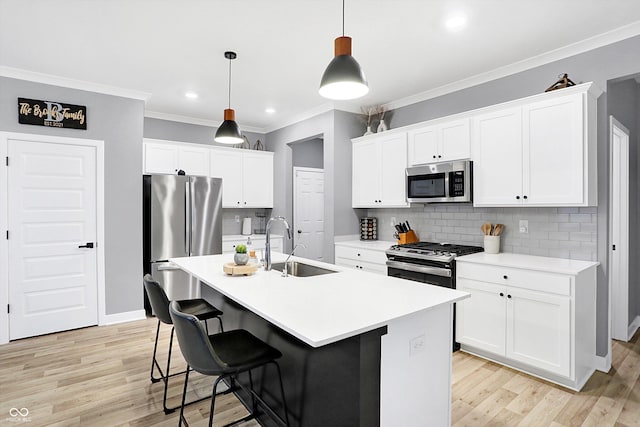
237	218
524	226
416	345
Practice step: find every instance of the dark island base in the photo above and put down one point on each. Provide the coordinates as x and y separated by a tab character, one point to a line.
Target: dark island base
333	385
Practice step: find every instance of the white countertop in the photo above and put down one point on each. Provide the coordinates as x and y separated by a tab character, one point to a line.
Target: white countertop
323	309
374	245
531	262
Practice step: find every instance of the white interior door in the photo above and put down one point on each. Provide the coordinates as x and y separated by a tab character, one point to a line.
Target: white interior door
308	212
619	249
52	211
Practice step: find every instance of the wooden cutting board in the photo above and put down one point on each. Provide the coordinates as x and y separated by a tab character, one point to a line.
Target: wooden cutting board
237	270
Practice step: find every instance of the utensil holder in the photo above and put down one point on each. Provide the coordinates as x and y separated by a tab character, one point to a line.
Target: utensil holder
408	237
491	244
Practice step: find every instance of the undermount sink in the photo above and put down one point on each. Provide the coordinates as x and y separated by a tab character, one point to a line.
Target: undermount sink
300	269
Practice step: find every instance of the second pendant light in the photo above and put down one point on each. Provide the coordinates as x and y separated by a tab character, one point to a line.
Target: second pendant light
229	132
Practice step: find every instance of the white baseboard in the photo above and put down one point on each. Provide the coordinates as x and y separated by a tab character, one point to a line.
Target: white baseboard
633	327
602	363
127	316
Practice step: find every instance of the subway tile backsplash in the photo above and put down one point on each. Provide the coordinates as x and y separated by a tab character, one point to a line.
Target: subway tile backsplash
555	232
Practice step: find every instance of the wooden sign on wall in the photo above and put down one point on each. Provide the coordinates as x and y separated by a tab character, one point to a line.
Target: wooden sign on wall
53	114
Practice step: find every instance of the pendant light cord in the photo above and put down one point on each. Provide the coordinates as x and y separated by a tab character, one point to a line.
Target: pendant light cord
229	82
342	18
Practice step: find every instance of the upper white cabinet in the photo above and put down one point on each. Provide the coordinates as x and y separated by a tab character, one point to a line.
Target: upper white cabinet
379	165
540	151
440	142
247	177
164	157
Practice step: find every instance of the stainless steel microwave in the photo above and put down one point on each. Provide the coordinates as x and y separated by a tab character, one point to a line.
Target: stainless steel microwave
445	182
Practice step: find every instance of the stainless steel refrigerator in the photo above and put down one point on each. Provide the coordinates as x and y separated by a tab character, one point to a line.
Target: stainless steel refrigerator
182	217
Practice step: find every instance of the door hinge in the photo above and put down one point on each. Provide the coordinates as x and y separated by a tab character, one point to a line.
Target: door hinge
7	234
7	160
8	309
613	247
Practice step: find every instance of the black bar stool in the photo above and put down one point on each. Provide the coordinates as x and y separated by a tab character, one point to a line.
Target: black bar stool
226	355
159	301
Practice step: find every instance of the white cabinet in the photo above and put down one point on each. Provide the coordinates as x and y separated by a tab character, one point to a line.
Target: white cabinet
535	320
258	242
247	177
379	165
362	256
165	157
541	152
440	142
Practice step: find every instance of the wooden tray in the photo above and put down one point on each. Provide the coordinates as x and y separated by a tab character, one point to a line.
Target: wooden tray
236	270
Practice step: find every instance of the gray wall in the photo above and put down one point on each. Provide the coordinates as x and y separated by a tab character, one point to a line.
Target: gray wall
186	132
598	65
622	103
308	154
118	121
336	128
199	134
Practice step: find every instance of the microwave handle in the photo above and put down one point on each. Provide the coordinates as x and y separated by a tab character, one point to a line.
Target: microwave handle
447	189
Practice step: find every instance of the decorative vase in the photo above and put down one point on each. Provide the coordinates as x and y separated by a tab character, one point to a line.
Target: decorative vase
369	131
241	259
382	126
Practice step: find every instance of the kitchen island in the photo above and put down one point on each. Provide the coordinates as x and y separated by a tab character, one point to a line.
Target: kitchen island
360	349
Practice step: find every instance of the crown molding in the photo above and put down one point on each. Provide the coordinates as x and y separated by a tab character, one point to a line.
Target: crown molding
195	121
50	79
291	120
582	46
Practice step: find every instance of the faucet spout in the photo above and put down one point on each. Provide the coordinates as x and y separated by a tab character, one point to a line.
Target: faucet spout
267	245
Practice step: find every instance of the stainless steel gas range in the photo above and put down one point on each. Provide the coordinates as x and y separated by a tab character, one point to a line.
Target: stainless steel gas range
429	263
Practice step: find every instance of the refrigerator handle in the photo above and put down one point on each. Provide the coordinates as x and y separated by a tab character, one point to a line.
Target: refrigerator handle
187	219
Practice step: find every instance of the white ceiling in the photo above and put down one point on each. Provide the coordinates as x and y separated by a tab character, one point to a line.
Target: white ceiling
168	47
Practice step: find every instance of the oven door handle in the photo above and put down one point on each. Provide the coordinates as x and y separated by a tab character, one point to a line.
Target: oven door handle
436	271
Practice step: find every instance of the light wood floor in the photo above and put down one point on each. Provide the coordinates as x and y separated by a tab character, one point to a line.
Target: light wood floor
100	377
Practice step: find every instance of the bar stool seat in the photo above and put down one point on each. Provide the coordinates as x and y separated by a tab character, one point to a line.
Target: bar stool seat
197	307
226	355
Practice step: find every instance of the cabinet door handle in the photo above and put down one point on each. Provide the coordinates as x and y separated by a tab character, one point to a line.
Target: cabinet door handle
439	156
358	254
508	296
525	197
501	294
434	156
505	277
518	197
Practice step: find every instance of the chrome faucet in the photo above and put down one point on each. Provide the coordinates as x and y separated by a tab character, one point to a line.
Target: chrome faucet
286	262
267	245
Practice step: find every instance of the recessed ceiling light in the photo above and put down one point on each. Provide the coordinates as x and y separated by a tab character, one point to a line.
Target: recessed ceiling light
191	95
270	110
456	22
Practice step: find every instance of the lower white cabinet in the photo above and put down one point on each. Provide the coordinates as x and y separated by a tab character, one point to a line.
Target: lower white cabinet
528	315
363	256
258	242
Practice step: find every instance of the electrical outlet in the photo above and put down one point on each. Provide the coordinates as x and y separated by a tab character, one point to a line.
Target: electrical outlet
524	226
237	218
416	345
393	221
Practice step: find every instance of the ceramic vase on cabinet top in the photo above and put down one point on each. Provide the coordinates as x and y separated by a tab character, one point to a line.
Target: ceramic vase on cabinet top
382	126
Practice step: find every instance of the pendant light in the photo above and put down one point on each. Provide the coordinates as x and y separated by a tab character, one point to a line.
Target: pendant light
343	78
228	132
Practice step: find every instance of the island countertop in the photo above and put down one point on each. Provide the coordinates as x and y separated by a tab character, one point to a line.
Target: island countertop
323	309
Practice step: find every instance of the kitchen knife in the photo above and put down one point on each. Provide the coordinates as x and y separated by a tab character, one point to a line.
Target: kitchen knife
398	228
404	227
408	226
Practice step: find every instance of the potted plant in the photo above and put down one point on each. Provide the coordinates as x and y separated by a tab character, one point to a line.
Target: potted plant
241	257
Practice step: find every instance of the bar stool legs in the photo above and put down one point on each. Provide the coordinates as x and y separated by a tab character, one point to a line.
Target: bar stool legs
255	398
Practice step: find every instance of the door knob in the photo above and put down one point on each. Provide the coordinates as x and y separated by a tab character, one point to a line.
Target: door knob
87	245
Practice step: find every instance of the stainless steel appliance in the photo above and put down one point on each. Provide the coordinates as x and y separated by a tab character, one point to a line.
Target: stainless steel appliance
182	217
429	263
445	182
